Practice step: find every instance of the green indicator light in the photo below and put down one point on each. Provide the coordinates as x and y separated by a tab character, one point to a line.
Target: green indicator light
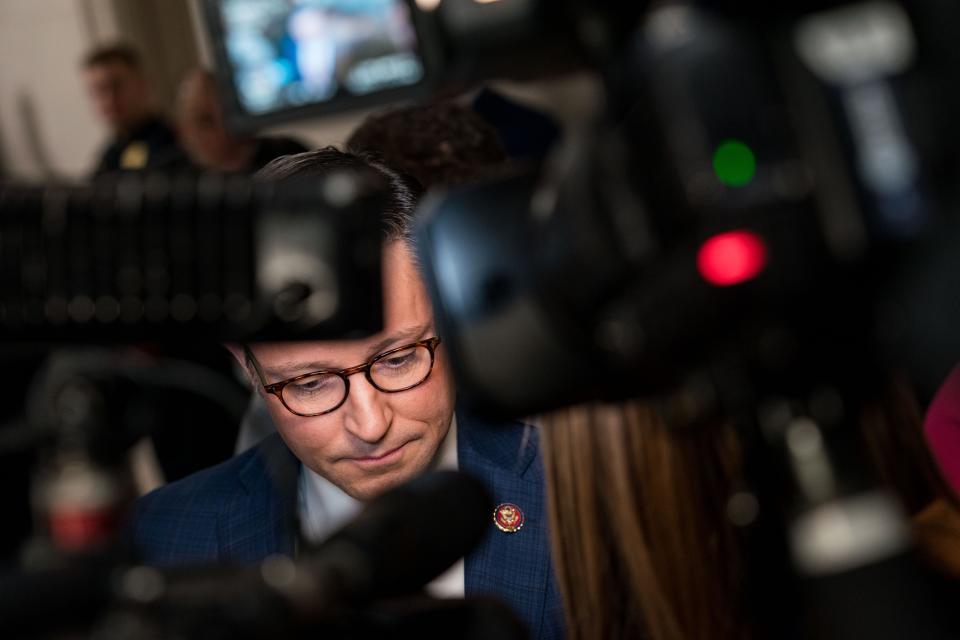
734	163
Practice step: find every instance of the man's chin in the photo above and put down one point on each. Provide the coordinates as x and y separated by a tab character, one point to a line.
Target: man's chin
365	489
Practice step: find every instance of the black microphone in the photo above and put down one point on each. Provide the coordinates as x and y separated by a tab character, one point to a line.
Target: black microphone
68	596
399	542
408	536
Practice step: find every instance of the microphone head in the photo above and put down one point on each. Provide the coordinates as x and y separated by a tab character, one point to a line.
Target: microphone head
410	535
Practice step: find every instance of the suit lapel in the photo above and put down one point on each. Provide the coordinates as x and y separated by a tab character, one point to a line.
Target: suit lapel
514	566
261	521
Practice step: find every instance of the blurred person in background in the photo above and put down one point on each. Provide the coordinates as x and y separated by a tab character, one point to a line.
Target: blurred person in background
206	139
525	131
140	137
638	515
440	143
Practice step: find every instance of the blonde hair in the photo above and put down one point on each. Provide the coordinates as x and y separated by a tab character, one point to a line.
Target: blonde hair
637	514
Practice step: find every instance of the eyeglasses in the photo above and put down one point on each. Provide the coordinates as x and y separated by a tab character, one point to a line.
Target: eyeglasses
321	392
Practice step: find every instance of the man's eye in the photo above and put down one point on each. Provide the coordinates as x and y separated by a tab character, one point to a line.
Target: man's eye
397	361
312	385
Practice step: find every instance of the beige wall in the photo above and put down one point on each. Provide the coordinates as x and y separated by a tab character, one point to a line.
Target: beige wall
46	125
163	31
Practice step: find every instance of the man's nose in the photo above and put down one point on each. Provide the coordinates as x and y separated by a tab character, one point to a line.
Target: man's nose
367	414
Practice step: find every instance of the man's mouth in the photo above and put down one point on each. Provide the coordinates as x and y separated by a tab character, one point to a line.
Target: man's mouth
385	458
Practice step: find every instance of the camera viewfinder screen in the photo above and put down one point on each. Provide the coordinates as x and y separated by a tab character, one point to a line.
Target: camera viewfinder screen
284	54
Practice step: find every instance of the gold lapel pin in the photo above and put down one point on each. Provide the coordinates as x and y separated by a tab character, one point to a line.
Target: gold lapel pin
508	517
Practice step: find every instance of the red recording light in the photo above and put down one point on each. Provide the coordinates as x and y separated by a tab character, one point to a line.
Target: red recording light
731	258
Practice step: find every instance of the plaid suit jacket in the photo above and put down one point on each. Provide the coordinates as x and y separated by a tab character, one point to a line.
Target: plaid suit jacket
243	510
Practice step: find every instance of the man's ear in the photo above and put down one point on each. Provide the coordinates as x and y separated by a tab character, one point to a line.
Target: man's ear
236	349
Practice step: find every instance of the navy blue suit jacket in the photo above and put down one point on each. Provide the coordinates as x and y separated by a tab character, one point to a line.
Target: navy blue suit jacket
243	510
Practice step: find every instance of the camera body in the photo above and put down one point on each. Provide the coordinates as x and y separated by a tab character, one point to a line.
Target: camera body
743	214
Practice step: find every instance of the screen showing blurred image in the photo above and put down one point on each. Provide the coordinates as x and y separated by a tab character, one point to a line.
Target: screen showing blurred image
289	53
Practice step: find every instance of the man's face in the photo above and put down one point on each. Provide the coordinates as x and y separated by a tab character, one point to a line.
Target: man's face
119	94
375	440
203	133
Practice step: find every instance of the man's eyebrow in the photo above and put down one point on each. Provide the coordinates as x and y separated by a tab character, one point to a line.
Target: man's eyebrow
398	339
286	370
292	368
